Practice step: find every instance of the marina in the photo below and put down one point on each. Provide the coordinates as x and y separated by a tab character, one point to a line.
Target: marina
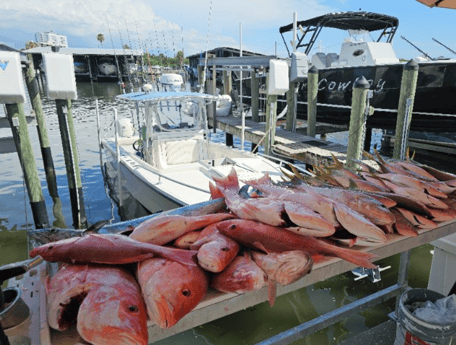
167	150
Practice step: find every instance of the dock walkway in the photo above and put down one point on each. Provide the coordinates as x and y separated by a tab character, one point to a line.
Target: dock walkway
292	145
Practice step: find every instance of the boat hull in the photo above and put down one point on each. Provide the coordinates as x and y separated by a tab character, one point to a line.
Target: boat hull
435	92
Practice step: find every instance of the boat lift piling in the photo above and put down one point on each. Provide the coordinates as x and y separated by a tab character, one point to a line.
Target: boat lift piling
408	89
68	136
255	100
357	120
13	95
312	92
48	163
16	117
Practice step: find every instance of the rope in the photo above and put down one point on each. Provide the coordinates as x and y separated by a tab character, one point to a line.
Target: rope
207	47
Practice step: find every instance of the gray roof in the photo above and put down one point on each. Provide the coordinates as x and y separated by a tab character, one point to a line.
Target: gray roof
87	51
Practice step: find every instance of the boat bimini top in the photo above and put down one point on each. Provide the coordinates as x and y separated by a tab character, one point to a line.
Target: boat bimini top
365	21
156	97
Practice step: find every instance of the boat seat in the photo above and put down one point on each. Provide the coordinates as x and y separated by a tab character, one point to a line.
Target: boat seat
175	152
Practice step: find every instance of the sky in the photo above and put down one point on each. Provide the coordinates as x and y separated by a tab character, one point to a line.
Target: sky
194	25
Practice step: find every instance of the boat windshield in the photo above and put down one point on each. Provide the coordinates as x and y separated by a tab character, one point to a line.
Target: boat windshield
175	115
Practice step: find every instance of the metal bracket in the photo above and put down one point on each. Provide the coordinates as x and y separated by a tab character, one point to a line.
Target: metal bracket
372	274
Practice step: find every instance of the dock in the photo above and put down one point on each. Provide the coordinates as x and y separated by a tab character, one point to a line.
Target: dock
289	145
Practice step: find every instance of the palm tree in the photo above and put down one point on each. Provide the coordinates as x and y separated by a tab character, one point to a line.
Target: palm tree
100	37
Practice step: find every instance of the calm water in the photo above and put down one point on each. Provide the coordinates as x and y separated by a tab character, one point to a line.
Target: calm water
246	327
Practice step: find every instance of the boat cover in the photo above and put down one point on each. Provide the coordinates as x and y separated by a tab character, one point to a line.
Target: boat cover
368	21
164	96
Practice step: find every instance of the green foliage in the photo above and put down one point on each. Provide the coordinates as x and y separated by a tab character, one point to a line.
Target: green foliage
30	45
165	61
100	38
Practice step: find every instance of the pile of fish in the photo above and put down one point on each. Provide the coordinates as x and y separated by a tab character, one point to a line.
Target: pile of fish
269	233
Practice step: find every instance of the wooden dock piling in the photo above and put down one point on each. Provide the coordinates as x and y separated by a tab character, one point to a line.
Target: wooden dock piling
271	119
33	90
255	93
408	88
18	123
291	104
357	120
68	136
312	92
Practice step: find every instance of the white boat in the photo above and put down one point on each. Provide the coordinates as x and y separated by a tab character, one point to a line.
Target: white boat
171	82
173	161
107	66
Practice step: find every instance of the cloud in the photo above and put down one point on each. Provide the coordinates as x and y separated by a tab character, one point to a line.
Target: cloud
159	24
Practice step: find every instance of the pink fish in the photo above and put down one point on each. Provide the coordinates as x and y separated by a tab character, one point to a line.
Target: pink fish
161	230
275	239
240	276
108	249
104	301
170	290
215	251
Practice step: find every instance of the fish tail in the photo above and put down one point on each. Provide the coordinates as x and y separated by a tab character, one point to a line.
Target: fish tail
215	192
183	256
229	182
358	258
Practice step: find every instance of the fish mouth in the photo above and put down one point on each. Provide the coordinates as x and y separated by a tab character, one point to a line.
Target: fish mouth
69	311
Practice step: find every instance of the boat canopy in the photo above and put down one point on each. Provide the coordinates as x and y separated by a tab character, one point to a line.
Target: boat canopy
367	21
156	97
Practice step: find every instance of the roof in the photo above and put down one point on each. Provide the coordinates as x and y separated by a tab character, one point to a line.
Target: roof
87	51
368	21
225	49
164	96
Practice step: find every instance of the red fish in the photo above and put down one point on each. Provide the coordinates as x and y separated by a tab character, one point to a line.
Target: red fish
240	276
105	302
161	230
417	220
170	290
403	226
108	249
275	239
215	251
286	267
186	240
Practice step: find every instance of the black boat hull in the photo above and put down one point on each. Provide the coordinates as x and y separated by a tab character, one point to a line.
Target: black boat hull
435	94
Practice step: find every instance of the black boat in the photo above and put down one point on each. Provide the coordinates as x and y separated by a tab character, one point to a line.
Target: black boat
377	62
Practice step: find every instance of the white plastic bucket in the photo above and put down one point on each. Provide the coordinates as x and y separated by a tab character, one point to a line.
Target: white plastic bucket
413	331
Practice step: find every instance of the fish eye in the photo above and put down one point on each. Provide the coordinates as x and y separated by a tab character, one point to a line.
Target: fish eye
50	247
224	249
232	226
186	292
133	308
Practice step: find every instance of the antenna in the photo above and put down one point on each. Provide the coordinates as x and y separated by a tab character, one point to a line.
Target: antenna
451	50
207	45
414	46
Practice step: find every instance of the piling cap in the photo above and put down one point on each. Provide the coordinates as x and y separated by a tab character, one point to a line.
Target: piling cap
412	65
313	69
361	83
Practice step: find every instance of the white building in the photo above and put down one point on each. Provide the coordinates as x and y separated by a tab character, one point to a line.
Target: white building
51	39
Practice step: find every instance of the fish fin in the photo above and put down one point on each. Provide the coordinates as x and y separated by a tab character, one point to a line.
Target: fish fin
215	192
352	184
272	292
95	227
260	246
337	163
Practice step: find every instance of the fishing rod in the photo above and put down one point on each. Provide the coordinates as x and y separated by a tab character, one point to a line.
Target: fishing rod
414	46
451	50
115	57
125	58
